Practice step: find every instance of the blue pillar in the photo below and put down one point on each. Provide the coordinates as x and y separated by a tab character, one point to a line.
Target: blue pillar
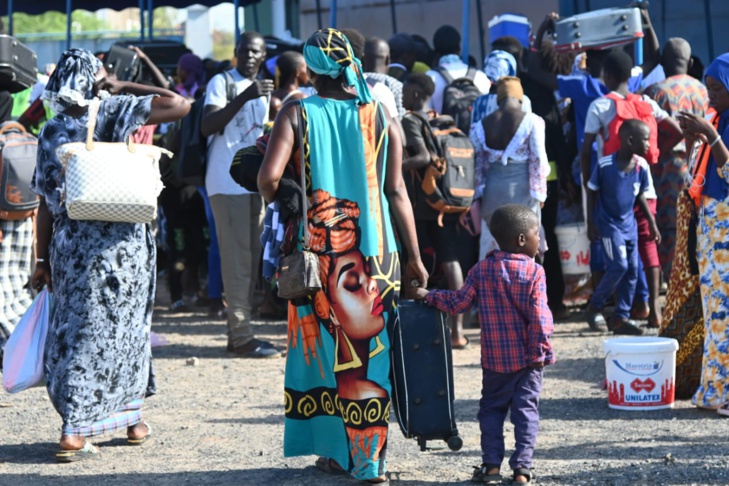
236	6
465	29
150	18
333	14
141	19
68	24
10	17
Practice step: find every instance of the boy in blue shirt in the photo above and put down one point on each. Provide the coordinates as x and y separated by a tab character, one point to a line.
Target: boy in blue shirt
618	182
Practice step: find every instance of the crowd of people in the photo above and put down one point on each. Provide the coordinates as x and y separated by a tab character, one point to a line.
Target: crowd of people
641	150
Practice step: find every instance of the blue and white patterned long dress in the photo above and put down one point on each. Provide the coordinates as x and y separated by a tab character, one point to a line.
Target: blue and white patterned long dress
98	356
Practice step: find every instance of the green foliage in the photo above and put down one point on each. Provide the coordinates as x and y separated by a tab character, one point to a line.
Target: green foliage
52	22
223	45
165	18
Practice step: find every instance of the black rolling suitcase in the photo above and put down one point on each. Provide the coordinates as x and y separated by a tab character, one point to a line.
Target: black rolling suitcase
18	65
422	375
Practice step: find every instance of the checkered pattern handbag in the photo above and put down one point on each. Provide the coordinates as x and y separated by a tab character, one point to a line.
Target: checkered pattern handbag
116	182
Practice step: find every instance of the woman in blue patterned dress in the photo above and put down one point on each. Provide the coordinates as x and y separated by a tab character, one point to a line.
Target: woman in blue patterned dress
98	361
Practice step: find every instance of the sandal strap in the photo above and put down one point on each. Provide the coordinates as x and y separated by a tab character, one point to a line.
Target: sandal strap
524	471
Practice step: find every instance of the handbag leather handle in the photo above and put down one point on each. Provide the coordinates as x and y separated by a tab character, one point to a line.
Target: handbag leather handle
12	126
302	160
91	126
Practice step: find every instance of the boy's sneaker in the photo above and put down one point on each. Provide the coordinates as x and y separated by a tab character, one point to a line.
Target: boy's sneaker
481	474
179	306
255	348
596	320
625	328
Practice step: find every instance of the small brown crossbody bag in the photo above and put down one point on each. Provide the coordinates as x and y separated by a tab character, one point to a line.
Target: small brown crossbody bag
298	273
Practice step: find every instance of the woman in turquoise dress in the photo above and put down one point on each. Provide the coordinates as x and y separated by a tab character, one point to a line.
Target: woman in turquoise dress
337	386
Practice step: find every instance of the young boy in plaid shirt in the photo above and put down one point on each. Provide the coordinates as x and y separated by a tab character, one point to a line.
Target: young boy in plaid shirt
516	327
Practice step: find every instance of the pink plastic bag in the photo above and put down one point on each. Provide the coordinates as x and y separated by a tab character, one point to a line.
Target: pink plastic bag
23	360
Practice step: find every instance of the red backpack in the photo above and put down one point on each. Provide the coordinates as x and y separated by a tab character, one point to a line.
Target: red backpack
631	107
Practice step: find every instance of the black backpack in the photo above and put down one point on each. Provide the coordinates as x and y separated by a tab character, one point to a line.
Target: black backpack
459	96
189	163
447	184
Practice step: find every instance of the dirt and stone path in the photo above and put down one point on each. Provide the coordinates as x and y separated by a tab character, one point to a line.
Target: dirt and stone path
220	422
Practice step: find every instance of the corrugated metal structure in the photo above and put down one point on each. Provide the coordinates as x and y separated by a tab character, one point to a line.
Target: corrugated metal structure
703	23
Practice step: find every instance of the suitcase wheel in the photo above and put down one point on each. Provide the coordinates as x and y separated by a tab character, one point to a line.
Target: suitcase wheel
423	444
455	442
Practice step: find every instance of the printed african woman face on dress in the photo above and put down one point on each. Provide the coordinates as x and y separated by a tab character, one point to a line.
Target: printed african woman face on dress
350	303
355	298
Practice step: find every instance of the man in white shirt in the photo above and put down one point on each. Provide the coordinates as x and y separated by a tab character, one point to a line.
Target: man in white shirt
238	213
447	44
376	62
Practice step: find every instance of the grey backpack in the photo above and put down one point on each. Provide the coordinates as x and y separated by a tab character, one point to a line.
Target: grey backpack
18	151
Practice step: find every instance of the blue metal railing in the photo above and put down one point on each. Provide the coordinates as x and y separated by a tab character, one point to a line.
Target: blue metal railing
98	34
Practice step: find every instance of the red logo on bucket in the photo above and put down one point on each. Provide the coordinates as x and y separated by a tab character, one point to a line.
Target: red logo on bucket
582	258
639	385
621	395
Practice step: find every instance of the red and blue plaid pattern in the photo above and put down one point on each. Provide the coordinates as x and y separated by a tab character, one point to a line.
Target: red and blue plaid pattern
516	323
128	416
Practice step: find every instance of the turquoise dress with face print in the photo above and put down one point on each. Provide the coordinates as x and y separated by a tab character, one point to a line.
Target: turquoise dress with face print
337	387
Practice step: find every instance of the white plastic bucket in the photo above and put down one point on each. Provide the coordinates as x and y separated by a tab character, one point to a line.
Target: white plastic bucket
574	248
641	372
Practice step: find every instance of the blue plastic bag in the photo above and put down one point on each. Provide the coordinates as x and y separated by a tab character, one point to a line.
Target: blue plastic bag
23	360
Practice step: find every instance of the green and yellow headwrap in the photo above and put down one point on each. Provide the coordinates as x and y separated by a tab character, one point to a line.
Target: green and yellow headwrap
328	53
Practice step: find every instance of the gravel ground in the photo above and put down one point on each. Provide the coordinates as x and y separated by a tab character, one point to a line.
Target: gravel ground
220	422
